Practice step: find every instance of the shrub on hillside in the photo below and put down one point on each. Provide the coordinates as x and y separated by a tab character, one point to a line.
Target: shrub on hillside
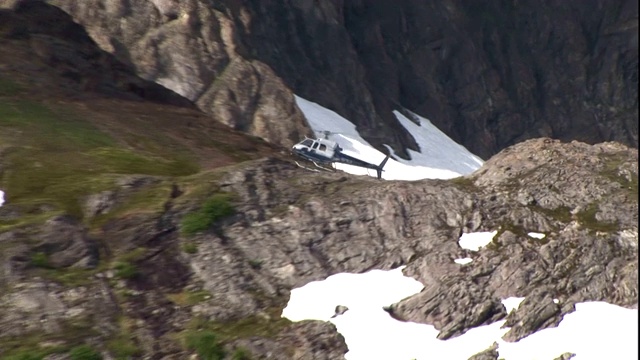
206	344
214	209
84	352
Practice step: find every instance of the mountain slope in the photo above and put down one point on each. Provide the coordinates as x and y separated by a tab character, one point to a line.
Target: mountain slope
135	226
488	74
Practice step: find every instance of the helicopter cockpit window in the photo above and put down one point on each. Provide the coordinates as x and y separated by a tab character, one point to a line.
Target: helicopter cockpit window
307	142
323	147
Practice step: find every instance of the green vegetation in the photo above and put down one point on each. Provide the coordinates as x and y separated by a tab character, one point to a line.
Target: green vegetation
147	199
40	259
52	157
125	270
241	354
255	264
84	352
38	345
190	247
206	344
125	265
267	325
122	345
465	183
612	171
561	213
9	88
26	356
587	219
214	209
70	276
27	220
189	298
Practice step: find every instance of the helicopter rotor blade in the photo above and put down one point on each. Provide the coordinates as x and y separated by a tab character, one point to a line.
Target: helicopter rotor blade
326	133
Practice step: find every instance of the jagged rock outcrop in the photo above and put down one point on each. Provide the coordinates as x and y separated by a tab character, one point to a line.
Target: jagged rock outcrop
193	48
489	74
589	252
489	354
291	226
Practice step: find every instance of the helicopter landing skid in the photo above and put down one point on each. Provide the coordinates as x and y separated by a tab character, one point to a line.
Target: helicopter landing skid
318	168
322	167
306	167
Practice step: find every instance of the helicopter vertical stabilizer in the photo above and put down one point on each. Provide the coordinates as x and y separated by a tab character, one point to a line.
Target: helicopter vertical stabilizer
382	164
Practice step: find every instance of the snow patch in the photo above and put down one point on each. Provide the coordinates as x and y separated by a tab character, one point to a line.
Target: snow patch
596	330
463	261
474	241
536	235
373	289
436	148
439	158
1	197
512	303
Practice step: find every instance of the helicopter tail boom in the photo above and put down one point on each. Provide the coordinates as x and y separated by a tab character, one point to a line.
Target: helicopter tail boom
346	159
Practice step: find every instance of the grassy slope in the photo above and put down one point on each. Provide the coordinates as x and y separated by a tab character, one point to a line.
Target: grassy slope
54	152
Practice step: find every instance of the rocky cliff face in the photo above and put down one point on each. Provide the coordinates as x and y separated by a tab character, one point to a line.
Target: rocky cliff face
112	242
489	74
290	227
193	48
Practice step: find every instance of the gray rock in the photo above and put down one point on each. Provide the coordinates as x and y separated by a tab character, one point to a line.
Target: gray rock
565	356
489	354
65	243
494	94
340	309
537	311
304	226
196	50
97	204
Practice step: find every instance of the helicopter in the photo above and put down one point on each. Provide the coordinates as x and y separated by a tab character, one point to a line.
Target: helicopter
325	151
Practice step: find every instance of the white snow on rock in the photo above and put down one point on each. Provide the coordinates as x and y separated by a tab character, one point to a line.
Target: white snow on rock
436	148
463	261
596	330
512	303
536	235
474	241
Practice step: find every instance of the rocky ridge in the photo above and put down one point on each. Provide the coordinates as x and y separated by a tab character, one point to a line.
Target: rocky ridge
122	274
290	227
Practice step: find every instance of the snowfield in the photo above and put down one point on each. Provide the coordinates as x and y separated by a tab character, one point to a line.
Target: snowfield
595	331
439	158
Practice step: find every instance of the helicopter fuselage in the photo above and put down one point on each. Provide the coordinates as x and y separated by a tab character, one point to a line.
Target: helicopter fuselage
327	151
318	150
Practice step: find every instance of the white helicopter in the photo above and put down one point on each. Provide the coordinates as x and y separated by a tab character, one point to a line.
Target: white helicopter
322	151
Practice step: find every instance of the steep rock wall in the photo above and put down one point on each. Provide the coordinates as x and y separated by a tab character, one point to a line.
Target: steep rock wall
193	49
489	74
